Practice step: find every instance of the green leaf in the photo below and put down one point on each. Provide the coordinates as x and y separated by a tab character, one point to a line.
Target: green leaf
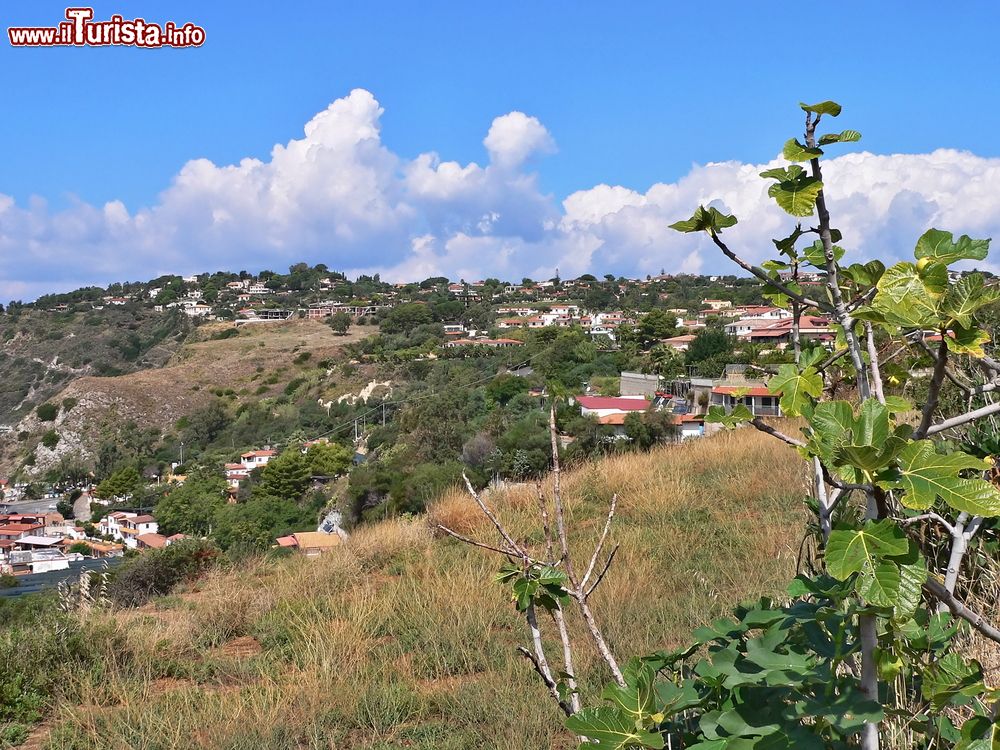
940	246
717	415
795	151
967	340
872	425
908	299
898	404
823	108
797	195
845	136
672	699
911	581
742	721
611	729
849	551
966	296
925	475
709	220
948	677
795	387
864	275
636	697
815	255
880	585
786	246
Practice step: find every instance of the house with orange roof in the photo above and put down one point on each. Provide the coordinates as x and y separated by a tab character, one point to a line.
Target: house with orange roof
310	543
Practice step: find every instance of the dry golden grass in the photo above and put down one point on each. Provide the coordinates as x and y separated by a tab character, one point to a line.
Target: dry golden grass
400	639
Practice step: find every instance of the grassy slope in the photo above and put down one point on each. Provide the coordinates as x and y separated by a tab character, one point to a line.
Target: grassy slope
159	396
400	639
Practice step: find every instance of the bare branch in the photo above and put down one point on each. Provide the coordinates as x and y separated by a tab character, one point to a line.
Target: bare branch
543	511
539	660
607	566
935	588
974	525
958	421
762	275
825	509
874	361
763	426
840	485
934	390
600	542
926	517
947	370
489	514
867	623
569	669
474	543
557	494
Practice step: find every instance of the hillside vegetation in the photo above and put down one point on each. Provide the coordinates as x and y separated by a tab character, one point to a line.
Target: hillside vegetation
395	640
257	362
40	352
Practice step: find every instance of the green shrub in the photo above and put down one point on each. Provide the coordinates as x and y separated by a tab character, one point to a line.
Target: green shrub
50	439
47	412
156	572
68	404
293	386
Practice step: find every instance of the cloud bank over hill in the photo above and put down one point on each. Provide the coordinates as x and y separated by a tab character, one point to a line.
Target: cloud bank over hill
340	196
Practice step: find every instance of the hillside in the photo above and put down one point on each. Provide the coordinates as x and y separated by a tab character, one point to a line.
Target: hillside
257	362
400	639
40	351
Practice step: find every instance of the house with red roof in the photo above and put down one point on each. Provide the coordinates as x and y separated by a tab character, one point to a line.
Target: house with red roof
255	459
604	406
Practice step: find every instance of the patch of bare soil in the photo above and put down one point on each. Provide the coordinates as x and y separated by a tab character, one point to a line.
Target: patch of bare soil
38	738
241	648
163	685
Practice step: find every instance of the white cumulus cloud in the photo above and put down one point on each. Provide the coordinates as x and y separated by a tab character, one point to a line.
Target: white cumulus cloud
516	136
338	195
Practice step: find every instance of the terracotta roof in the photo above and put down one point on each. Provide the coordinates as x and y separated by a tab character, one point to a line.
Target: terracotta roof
101	546
608	402
613	419
287	541
253	454
685	339
142	519
156	541
18	528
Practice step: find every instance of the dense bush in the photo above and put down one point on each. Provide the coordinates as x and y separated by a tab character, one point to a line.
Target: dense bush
157	572
47	412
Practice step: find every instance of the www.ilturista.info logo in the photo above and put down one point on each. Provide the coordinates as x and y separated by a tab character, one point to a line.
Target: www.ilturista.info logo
80	30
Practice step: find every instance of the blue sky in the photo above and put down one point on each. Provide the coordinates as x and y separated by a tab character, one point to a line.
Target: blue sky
631	95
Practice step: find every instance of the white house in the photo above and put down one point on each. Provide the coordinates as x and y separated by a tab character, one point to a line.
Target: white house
255	459
34	561
603	406
127	527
